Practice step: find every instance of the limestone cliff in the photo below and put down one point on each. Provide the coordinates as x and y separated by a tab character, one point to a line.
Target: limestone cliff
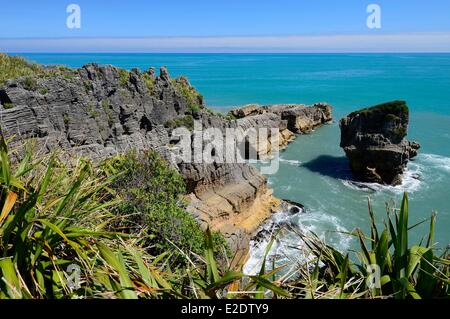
100	110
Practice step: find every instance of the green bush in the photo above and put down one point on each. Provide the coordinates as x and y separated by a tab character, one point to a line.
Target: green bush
8	106
398	108
12	67
151	194
88	86
149	83
193	98
124	76
30	83
186	121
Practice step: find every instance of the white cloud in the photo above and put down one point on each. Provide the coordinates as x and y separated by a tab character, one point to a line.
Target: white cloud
404	42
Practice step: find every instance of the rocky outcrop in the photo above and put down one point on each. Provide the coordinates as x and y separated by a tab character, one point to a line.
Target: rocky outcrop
303	118
374	141
291	119
100	110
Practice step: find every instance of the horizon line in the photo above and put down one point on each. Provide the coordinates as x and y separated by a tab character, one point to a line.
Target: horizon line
424	42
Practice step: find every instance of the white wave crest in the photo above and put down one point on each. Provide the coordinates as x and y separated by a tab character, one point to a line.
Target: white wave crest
290	162
411	182
288	248
436	161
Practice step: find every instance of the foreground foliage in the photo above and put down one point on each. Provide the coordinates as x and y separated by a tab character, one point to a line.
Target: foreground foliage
152	204
119	230
59	237
387	266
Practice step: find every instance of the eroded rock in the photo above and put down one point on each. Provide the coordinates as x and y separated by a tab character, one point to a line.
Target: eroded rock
374	142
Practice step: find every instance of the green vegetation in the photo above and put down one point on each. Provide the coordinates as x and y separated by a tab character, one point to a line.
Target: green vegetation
91	110
405	271
152	192
229	116
124	225
55	219
88	86
12	67
149	82
106	108
395	107
43	91
66	119
30	83
8	106
186	121
124	76
193	98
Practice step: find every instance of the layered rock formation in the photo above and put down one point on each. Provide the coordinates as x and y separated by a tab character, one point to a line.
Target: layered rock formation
374	142
291	119
98	111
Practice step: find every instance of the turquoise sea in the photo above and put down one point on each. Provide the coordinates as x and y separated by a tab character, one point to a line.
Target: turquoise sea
314	170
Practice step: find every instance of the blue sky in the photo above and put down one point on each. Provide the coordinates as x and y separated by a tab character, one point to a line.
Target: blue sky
218	19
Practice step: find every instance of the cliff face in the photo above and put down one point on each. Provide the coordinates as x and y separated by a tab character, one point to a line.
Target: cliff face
95	111
291	119
98	111
374	142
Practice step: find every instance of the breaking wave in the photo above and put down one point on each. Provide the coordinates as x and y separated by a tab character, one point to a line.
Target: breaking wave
290	162
420	172
288	248
436	161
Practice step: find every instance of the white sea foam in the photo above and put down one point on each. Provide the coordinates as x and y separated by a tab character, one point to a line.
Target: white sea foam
288	249
411	182
424	169
436	161
290	162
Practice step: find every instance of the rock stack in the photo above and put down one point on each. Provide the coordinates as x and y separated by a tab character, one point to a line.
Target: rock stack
374	141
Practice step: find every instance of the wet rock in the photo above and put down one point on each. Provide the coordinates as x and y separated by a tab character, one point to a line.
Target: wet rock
374	142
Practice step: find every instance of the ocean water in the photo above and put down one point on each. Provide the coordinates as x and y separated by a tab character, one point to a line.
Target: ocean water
314	170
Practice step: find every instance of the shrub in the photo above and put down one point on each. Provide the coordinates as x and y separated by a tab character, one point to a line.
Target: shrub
108	112
124	76
88	86
8	105
12	67
193	99
66	119
186	121
151	198
399	108
149	83
30	83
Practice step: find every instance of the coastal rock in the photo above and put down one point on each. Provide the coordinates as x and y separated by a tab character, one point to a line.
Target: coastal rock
99	110
247	110
290	119
374	141
302	118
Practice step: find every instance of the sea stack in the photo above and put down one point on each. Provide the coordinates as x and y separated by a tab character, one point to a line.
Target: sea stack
374	141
